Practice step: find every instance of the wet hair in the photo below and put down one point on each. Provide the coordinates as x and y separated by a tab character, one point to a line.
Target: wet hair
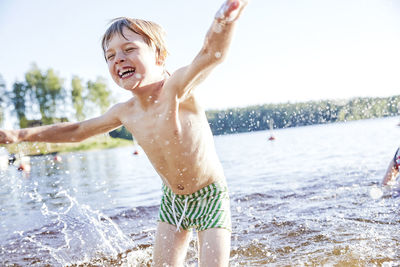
152	33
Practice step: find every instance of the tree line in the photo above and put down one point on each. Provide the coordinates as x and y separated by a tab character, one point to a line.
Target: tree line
262	117
42	98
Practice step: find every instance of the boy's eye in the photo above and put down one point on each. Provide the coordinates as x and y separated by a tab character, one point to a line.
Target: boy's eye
110	56
129	49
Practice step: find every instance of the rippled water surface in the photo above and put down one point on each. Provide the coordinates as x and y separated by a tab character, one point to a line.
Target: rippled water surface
311	197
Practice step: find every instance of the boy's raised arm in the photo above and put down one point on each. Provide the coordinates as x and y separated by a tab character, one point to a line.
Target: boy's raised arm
64	132
214	49
392	170
391	174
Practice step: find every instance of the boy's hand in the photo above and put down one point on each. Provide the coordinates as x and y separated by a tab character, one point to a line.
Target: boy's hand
7	137
230	10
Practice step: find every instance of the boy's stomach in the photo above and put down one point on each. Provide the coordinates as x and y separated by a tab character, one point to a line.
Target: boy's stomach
189	174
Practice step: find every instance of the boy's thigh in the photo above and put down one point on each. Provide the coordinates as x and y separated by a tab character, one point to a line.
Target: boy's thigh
171	246
214	247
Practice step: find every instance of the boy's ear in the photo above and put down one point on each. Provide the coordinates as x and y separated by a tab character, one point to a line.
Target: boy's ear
160	60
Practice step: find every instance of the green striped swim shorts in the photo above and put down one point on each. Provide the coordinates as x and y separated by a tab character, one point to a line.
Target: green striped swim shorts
207	208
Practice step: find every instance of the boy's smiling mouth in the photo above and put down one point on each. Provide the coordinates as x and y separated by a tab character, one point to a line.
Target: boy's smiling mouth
125	73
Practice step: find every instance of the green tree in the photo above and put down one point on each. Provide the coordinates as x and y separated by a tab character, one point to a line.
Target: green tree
99	94
18	97
121	132
3	98
47	90
78	100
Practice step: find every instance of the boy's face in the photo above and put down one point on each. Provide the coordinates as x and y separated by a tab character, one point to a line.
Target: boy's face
131	62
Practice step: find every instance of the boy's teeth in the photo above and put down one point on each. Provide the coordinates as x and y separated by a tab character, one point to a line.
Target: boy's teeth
126	72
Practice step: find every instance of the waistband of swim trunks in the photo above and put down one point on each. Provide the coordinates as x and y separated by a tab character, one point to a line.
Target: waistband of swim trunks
211	189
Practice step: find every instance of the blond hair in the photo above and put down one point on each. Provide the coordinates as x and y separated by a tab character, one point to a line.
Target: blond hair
152	34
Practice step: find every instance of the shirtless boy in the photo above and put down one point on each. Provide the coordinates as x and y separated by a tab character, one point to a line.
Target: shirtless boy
167	121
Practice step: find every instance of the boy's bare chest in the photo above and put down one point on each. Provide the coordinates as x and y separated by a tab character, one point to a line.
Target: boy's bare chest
165	124
159	125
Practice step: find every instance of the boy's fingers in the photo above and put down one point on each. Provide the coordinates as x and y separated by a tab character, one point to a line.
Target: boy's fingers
231	10
232	6
241	4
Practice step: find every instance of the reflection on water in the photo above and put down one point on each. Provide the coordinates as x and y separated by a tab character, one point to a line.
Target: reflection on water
312	197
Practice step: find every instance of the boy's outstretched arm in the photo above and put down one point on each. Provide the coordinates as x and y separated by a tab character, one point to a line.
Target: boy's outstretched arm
214	49
64	132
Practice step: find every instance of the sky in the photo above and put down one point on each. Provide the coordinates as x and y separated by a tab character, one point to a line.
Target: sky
282	51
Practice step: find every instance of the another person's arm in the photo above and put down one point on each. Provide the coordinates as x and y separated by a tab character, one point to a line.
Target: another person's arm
392	170
214	49
64	132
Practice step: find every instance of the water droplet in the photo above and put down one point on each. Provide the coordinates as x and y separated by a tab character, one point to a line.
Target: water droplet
138	75
376	193
167	142
217	54
218	28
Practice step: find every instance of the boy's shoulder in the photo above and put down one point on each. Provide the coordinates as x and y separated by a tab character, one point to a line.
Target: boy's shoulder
123	107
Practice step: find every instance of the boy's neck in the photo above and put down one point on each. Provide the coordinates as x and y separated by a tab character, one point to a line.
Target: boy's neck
149	94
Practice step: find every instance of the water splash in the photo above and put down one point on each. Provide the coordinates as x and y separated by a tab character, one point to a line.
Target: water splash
75	233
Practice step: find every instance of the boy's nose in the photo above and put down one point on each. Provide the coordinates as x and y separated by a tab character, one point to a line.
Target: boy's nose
119	58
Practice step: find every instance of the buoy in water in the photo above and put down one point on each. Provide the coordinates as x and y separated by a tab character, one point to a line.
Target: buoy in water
24	167
135	152
271	138
24	163
57	158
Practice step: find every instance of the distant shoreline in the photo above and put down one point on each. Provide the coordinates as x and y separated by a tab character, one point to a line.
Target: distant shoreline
94	143
286	115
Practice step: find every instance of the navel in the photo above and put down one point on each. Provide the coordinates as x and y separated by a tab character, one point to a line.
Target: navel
180	187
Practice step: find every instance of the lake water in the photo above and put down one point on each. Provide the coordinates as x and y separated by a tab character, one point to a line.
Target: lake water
305	199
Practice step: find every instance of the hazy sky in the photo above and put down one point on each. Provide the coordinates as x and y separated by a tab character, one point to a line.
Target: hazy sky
283	50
